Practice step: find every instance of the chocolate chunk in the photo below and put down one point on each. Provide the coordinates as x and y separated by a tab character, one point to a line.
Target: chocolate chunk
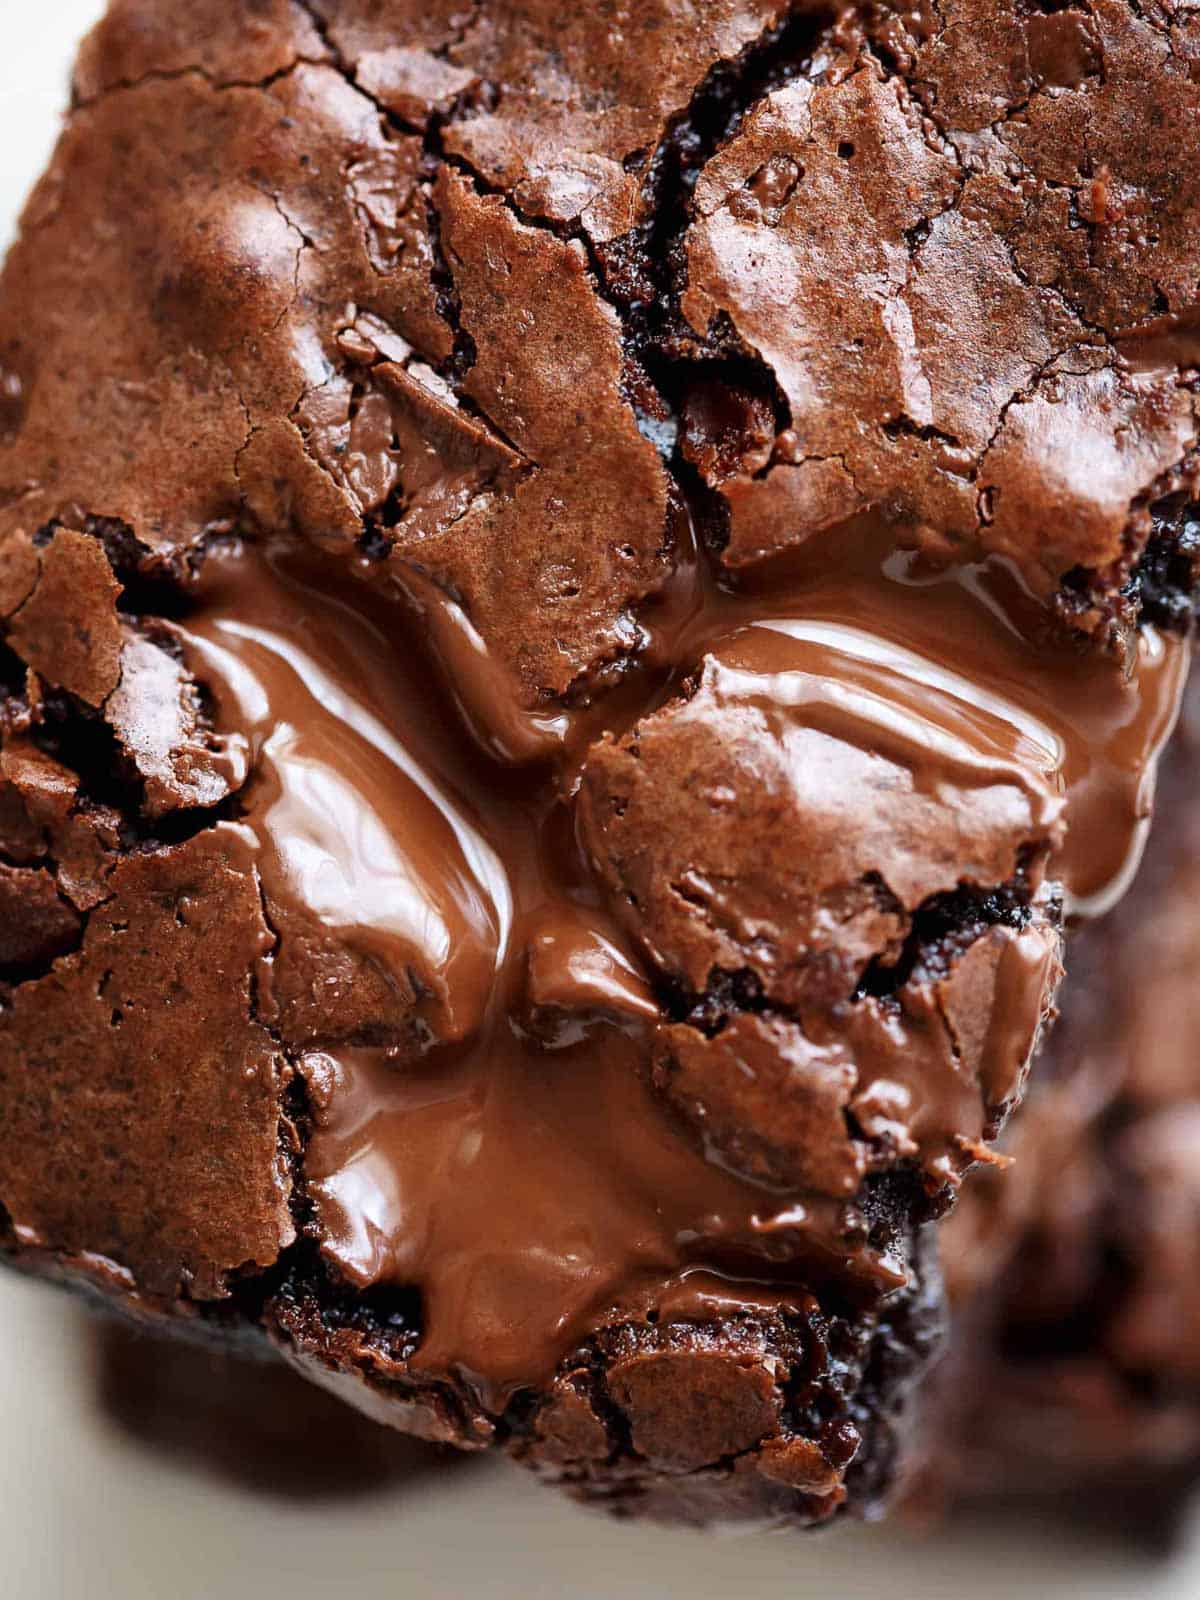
156	713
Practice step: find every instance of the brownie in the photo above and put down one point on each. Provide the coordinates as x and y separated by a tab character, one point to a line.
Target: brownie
582	595
1073	1373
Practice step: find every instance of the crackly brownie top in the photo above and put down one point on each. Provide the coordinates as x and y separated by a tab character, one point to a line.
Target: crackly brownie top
582	590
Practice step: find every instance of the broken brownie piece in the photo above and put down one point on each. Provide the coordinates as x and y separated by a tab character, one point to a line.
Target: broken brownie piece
580	604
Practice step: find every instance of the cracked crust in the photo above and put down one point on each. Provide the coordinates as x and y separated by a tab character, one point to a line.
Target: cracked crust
909	230
326	318
349	203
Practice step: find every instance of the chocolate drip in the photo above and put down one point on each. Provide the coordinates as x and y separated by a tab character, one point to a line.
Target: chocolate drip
494	1137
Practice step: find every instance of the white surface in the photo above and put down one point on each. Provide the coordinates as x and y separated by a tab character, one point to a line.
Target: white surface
87	1515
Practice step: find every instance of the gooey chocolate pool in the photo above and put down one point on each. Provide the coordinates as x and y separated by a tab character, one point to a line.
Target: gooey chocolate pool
510	1158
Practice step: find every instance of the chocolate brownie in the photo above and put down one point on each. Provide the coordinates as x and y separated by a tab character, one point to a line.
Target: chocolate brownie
583	592
1075	1362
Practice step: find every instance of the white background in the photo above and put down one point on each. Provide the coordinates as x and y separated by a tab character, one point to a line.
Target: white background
85	1514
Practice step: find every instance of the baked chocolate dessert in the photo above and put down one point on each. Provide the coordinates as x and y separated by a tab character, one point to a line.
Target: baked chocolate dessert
1074	1370
583	591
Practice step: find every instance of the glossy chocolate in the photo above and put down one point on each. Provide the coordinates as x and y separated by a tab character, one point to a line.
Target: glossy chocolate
439	1148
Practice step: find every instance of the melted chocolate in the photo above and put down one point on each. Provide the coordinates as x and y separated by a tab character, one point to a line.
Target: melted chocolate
976	637
507	1155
